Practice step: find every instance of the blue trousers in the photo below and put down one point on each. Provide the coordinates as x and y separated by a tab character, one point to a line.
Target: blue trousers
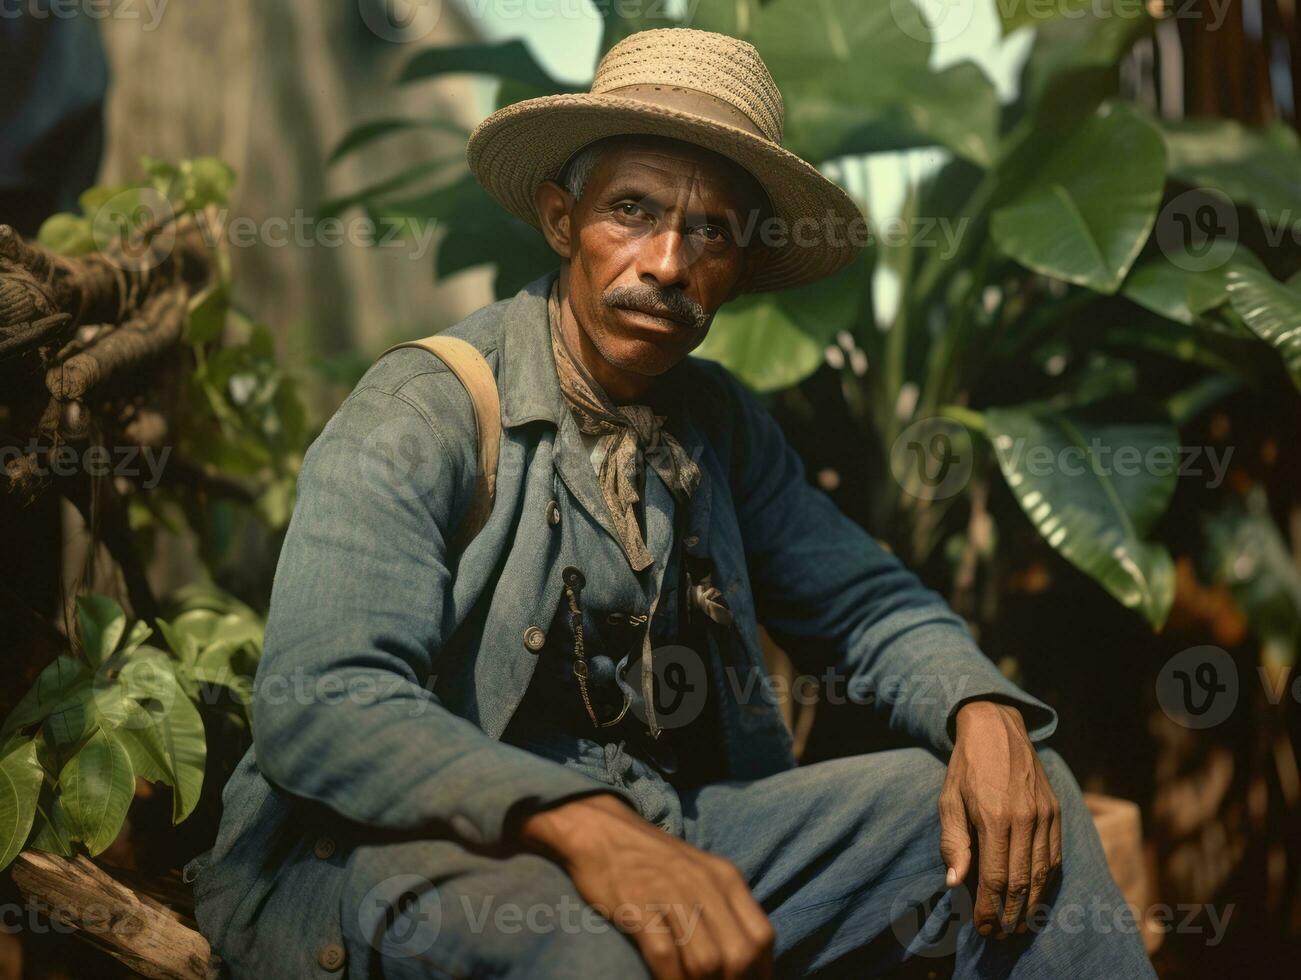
843	855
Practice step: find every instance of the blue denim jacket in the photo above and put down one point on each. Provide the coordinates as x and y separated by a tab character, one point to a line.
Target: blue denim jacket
392	666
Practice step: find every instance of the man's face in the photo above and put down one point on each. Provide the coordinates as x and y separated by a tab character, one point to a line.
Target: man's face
654	250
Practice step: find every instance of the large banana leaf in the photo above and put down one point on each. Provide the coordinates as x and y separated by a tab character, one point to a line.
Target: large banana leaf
1094	507
1183	288
775	340
1257	167
761	344
1272	310
506	59
857	78
1080	217
20	785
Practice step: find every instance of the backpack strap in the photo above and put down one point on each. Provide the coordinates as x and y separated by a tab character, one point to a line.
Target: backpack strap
472	370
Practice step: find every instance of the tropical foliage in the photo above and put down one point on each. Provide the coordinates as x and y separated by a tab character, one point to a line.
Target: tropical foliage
1109	276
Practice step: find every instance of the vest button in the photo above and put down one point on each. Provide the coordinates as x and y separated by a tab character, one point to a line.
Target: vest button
331	956
534	638
324	847
691	540
553	513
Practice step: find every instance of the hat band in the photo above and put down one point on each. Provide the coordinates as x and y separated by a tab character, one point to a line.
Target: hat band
691	101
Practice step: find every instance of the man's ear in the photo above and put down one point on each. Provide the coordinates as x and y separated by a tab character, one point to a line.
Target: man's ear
554	204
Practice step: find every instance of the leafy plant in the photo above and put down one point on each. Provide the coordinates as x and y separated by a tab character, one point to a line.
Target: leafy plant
71	749
1085	308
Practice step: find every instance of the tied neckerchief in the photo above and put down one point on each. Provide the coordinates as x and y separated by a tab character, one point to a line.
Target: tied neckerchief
630	436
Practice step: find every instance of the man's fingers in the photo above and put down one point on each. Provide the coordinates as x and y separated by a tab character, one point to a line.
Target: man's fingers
1019	852
991	876
662	953
955	838
758	933
1041	868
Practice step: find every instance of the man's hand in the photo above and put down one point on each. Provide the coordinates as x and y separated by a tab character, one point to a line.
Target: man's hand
696	917
997	787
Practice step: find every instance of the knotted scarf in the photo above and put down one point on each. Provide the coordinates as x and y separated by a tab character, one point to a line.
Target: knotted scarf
630	437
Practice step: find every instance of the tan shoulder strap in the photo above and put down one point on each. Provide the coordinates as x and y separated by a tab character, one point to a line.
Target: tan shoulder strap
472	370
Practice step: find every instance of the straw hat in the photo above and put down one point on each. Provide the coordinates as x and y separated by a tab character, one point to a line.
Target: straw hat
705	88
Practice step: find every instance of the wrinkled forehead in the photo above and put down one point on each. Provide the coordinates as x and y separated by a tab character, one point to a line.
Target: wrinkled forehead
676	172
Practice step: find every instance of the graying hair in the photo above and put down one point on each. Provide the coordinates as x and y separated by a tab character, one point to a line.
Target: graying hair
580	166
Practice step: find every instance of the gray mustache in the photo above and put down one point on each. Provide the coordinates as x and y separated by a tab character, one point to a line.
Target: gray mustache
658	302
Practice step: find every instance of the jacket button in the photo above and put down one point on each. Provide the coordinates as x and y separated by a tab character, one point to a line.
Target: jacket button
691	540
573	577
324	847
616	619
553	513
331	956
534	638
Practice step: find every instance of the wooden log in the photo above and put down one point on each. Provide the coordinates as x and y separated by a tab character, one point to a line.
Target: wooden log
148	937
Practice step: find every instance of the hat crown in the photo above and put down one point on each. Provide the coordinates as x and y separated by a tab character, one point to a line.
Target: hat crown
723	67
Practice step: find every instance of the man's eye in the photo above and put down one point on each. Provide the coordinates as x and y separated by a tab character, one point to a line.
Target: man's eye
630	208
712	234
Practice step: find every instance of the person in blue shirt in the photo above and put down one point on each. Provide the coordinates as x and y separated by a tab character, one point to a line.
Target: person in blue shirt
554	751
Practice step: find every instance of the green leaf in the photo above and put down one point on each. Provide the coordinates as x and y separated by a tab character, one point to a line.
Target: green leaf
168	746
756	339
102	623
20	786
507	59
95	790
1257	167
858	78
1094	507
1247	553
59	682
376	129
1185	287
1080	217
67	234
1273	312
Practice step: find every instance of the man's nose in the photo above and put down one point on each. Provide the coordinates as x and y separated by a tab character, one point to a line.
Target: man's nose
664	260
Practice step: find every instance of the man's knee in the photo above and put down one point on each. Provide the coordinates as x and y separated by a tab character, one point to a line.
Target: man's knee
462	914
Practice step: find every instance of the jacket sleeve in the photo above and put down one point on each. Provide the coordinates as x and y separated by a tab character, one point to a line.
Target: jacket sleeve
343	708
832	596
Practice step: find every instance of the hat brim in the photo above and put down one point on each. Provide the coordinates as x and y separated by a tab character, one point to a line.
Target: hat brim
517	147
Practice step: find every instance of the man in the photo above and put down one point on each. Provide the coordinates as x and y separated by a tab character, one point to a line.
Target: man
553	751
